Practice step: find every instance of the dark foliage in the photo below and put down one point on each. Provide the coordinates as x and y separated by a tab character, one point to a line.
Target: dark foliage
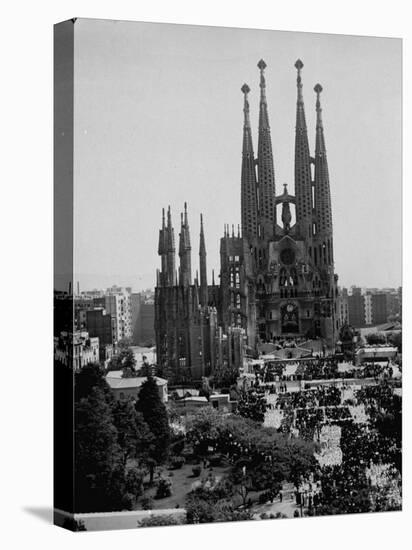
160	520
98	458
134	436
154	413
89	377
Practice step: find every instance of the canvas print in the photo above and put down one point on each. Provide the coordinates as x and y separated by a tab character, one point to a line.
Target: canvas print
227	293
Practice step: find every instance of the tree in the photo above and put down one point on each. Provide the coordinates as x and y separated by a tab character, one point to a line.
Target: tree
155	415
160	520
396	340
98	458
134	482
124	361
242	480
375	338
344	491
269	456
252	404
134	436
89	377
206	506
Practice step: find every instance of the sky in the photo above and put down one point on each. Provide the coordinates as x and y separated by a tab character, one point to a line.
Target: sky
158	117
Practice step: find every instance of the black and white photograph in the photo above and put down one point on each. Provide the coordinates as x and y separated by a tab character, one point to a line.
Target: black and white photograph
227	275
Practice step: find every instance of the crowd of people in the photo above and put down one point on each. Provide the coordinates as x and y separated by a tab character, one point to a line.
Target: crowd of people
276	373
345	484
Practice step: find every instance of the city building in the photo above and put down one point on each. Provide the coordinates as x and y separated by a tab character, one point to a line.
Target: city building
342	306
373	307
76	349
101	325
277	277
143	319
124	388
117	303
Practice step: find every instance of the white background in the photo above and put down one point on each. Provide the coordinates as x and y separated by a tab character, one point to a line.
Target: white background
26	285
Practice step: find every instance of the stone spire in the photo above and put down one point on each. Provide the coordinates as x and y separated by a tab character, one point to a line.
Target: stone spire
303	178
185	271
171	262
248	178
203	266
265	169
162	251
323	208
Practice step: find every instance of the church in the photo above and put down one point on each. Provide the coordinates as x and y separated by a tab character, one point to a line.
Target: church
277	277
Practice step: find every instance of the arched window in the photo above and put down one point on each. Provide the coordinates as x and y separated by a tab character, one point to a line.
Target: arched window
283	277
238	300
293	277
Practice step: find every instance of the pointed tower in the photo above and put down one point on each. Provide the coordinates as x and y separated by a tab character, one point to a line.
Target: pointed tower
303	178
162	251
185	271
249	201
170	251
266	172
323	208
203	266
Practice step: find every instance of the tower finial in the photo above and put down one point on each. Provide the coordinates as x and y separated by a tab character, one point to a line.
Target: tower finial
185	216
318	89
163	218
262	66
203	266
299	66
245	89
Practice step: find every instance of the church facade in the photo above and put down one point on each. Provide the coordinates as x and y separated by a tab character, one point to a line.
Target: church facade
277	278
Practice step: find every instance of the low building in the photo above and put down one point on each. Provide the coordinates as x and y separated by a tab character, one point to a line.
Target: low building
372	354
124	388
222	402
140	353
190	404
182	393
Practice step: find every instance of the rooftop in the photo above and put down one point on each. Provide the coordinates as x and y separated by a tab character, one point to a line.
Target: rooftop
115	380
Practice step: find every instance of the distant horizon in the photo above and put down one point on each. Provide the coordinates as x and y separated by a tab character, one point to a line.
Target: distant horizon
142	289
